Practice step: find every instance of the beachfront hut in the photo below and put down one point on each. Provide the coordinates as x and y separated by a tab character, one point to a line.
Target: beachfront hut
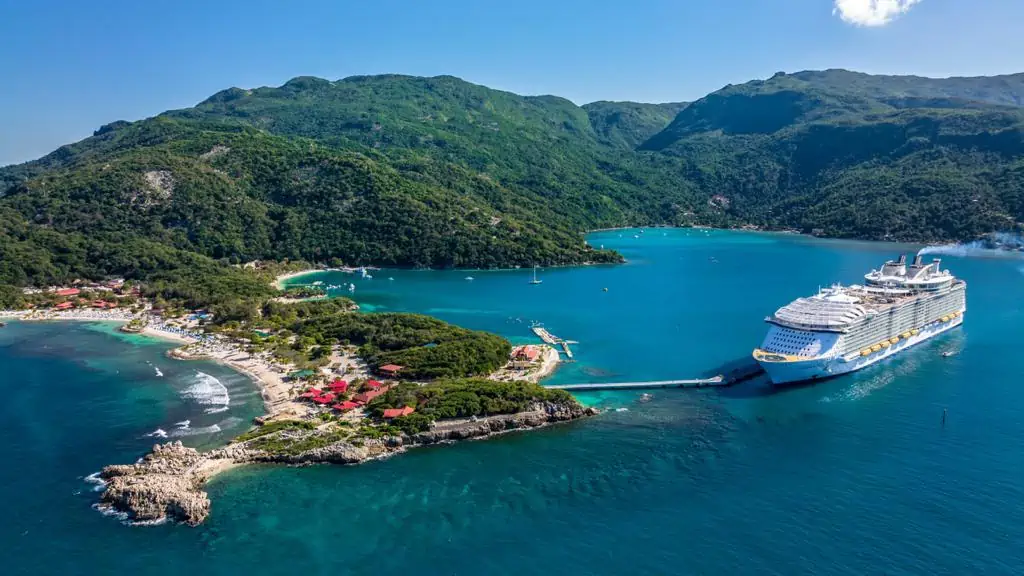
339	386
64	306
396	412
346	406
301	374
68	292
391	370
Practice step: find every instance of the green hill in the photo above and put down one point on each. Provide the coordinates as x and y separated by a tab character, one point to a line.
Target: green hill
851	155
408	171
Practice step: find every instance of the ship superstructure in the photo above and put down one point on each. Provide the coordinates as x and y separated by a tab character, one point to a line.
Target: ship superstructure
845	328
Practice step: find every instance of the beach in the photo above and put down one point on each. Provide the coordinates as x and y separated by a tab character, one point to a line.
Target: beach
279	282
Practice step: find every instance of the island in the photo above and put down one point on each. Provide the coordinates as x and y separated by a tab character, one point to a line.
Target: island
339	385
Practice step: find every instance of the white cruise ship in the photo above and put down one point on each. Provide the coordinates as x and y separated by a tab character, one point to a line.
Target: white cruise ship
843	329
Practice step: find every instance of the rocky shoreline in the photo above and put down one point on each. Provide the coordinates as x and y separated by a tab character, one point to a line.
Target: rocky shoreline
168	483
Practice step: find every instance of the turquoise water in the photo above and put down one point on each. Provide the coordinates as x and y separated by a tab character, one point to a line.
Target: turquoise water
854	475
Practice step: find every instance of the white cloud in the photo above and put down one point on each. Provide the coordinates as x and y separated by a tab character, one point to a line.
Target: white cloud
872	12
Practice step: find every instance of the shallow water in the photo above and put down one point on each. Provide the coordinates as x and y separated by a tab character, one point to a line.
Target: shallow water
855	475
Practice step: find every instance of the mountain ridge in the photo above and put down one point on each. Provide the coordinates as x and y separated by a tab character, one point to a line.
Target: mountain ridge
436	172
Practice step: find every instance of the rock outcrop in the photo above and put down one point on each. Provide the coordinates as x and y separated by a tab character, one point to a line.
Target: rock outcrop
168	482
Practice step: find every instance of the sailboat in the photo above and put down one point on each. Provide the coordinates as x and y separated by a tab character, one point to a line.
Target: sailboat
535	279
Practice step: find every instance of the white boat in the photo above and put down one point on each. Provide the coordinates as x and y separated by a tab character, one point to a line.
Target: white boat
535	279
842	329
470	278
949	353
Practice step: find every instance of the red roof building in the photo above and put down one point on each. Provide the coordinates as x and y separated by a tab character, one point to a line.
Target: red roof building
325	399
68	292
345	406
373	384
390	369
367	396
338	386
396	412
64	306
525	353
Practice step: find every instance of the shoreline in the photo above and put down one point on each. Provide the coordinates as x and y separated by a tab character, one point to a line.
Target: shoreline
279	281
169	482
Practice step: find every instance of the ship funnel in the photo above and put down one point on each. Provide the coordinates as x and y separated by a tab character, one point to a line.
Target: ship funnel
903	259
937	262
917	260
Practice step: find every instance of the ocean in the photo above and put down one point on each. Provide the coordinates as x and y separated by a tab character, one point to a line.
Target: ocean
854	475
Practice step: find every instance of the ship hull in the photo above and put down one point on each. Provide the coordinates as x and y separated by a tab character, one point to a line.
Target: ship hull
781	373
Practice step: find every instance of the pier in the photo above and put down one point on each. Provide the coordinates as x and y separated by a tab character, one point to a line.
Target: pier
729	374
553	340
694	383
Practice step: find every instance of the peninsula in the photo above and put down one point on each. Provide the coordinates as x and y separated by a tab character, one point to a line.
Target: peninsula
339	385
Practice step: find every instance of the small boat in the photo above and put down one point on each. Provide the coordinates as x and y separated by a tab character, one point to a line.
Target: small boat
2	324
645	397
604	289
535	279
949	353
470	278
636	235
390	278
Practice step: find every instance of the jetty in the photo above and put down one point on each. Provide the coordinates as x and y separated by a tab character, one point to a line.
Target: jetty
693	383
728	374
553	340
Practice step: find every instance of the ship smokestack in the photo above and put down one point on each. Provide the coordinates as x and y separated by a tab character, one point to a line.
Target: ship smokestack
903	259
917	260
937	262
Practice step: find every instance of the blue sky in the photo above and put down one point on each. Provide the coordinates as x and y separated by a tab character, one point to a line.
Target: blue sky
70	66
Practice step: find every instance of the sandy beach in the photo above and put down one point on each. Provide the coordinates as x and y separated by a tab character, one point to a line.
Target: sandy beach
280	280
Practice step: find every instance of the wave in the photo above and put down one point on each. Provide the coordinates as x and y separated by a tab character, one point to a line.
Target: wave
196	431
94	478
183	425
158	372
158	433
107	510
216	410
208	391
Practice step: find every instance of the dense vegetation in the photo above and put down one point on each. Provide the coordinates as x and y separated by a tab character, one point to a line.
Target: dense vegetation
462	398
406	171
426	348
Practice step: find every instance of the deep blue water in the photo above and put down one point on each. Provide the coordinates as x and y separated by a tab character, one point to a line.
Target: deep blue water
855	475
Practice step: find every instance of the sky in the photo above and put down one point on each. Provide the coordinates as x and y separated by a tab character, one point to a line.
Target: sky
70	66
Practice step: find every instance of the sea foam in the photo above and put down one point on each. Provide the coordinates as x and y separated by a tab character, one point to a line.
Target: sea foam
208	391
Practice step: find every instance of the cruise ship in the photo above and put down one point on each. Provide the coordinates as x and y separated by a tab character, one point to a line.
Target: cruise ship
845	328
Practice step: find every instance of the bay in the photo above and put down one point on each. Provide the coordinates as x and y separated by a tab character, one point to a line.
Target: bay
855	475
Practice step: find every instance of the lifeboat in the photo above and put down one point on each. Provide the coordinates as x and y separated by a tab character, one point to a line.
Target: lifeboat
885	344
876	347
915	332
905	335
865	352
944	319
894	340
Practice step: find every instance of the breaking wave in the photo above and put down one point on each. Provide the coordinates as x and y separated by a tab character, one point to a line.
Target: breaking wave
99	483
208	391
158	433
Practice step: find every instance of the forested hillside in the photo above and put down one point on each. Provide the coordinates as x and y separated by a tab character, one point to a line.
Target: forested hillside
408	171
